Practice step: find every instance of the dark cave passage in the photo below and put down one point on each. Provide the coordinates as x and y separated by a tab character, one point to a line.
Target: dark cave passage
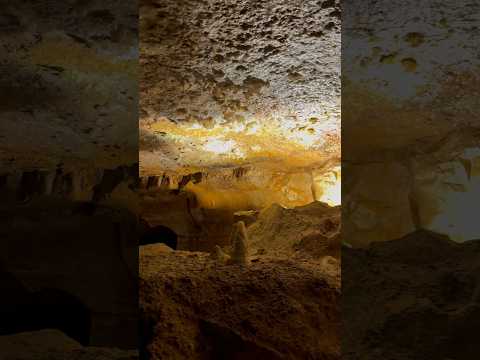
160	234
46	309
61	310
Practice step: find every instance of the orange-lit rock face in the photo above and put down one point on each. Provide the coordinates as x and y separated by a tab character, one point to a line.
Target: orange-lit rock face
231	84
201	208
410	120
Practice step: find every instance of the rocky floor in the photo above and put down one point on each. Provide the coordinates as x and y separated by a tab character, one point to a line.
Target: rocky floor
193	307
54	345
413	298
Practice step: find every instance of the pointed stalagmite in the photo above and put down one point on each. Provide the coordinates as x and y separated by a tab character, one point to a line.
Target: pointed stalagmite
239	242
219	255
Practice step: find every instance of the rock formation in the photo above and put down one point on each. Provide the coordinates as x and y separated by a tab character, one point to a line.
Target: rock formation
239	110
219	255
424	284
311	230
54	345
192	307
239	239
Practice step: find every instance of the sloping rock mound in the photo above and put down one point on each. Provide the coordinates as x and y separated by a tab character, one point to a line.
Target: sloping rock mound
153	249
54	345
417	297
192	307
312	229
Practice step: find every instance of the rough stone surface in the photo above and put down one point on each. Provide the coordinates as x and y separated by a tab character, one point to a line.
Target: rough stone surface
68	84
201	207
193	307
416	297
54	345
69	250
226	83
307	231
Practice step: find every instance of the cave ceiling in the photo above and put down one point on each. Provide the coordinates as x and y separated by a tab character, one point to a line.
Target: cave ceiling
235	83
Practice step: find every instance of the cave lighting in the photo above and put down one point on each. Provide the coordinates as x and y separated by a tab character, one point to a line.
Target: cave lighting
332	195
330	185
223	147
306	140
218	146
219	137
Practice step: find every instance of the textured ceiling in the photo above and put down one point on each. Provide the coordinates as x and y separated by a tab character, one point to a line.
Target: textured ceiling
228	83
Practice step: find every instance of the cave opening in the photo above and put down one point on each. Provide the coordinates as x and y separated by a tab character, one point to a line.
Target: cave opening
47	309
160	234
61	310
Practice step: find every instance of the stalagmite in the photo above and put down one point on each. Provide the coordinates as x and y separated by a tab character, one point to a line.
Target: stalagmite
219	255
239	243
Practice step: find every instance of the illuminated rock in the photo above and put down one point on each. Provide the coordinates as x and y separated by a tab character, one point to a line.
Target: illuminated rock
231	85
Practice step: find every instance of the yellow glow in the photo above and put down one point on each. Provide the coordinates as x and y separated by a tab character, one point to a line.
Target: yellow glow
279	139
331	188
284	132
223	147
218	146
332	195
194	126
305	139
252	128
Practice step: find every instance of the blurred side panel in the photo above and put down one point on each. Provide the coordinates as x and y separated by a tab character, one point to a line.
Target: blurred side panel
411	180
68	166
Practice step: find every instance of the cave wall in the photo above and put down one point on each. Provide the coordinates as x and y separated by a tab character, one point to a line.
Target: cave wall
91	254
201	207
75	230
240	188
69	155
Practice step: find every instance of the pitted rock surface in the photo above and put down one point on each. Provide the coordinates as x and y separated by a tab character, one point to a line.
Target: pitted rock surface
232	82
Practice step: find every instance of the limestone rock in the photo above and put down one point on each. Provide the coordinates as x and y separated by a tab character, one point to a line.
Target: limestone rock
240	244
312	230
219	255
